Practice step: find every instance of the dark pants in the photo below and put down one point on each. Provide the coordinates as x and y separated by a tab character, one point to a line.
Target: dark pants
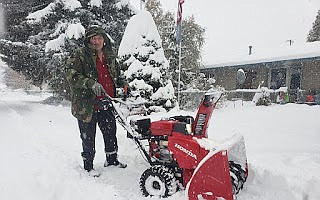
107	124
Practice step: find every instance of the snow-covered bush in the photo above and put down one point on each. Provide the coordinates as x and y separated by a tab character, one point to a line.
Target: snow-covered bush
262	98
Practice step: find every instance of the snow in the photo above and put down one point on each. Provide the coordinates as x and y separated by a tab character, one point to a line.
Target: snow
72	31
36	16
56	43
166	92
40	151
137	69
40	144
141	30
59	27
75	31
72	4
140	24
140	85
96	3
307	50
123	3
235	146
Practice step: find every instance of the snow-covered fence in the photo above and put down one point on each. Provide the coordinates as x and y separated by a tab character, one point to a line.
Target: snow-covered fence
262	96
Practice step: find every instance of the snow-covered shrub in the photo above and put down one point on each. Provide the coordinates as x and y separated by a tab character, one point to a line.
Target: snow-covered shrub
262	98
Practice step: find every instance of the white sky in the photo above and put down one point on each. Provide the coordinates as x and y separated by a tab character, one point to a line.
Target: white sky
233	25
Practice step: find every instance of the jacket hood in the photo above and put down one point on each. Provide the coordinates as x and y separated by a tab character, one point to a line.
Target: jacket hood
93	31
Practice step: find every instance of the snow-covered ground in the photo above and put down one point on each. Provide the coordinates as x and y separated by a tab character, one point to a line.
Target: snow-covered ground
40	152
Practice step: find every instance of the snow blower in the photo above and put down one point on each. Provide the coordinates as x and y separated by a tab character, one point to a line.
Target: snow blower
182	157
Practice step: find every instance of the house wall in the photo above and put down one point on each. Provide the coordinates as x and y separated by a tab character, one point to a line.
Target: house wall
225	77
262	76
310	74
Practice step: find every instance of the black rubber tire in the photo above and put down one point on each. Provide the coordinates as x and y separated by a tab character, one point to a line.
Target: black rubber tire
237	175
158	181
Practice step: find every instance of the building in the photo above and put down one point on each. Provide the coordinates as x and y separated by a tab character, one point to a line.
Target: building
296	67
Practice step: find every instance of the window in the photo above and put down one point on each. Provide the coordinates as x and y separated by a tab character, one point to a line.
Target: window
250	77
278	78
210	75
295	81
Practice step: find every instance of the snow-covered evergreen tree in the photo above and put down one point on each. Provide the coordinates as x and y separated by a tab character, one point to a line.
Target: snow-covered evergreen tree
16	11
48	36
142	56
314	34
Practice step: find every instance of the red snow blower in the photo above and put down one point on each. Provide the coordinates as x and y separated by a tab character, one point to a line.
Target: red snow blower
182	157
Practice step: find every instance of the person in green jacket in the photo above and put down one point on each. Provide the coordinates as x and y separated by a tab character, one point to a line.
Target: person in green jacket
93	74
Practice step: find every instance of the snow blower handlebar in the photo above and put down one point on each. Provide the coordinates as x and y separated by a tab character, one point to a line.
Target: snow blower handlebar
110	103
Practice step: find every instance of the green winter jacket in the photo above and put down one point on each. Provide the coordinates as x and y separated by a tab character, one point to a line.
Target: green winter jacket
81	73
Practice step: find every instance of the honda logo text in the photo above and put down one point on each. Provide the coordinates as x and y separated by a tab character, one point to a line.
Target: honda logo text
184	150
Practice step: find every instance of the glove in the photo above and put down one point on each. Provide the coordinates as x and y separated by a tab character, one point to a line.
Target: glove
98	89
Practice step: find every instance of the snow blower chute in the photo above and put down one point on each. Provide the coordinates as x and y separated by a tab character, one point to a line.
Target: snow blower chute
182	157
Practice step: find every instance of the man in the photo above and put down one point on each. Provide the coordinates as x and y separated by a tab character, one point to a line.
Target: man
92	73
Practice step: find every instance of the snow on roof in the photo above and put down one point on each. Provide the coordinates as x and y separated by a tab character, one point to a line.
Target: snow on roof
307	50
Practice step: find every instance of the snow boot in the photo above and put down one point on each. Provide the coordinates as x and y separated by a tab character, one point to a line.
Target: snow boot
112	160
93	173
88	166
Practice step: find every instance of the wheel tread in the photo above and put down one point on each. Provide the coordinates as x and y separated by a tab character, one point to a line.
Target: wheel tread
165	174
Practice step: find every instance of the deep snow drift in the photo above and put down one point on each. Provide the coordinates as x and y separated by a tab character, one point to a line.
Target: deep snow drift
40	151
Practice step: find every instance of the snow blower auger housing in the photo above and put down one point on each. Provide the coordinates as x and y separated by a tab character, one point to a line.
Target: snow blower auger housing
182	157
